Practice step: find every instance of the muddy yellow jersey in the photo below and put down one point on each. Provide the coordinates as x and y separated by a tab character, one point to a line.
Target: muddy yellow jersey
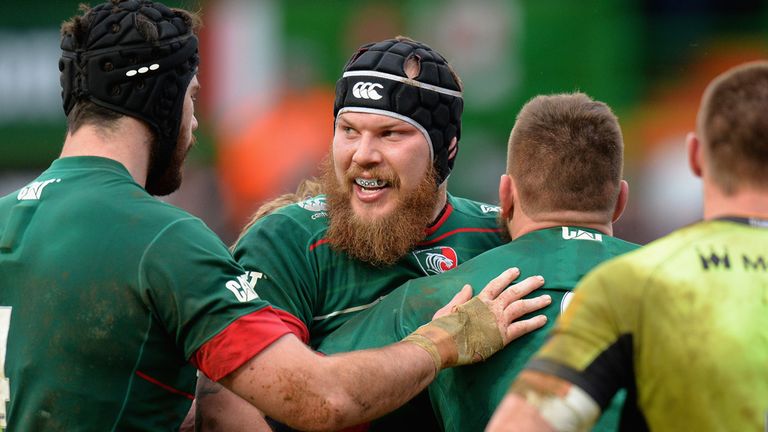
681	323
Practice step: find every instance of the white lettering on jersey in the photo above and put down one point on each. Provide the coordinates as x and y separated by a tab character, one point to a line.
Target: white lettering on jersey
581	235
34	190
485	208
242	288
315	204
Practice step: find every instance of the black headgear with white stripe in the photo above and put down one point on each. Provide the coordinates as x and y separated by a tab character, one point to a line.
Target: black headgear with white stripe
117	68
374	81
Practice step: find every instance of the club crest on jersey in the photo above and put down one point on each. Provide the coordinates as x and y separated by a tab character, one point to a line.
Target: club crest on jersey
579	234
436	260
315	204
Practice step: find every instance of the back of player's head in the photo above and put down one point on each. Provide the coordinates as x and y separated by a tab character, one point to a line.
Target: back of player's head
733	127
131	57
566	153
410	81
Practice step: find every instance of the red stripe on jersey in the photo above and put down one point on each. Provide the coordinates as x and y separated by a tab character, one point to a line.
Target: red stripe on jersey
164	386
456	231
296	325
239	342
433	229
317	243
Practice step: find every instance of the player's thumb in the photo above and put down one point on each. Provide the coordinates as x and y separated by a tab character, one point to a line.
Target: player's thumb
463	296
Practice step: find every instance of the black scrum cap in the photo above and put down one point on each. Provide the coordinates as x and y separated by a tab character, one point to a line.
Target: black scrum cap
374	81
117	68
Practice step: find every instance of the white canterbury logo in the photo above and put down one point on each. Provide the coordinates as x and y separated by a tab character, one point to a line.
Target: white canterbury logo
34	190
142	70
367	90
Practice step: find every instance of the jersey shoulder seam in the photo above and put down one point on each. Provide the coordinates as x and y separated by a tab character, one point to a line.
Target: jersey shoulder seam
154	240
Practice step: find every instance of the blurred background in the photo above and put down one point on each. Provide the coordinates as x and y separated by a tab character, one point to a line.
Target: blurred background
269	68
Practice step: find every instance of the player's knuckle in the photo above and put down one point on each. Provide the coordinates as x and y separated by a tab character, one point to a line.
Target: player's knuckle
532	304
516	309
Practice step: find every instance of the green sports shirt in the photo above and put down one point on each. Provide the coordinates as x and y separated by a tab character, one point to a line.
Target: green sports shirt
317	289
464	398
681	323
107	296
321	288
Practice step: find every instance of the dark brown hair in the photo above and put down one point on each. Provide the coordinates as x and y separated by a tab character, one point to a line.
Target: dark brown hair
733	127
566	153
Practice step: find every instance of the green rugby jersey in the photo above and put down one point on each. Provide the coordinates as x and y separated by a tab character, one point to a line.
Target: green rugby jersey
322	288
107	293
682	322
464	398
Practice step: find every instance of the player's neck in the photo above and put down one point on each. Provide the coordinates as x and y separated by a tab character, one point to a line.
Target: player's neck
747	202
442	199
522	223
128	142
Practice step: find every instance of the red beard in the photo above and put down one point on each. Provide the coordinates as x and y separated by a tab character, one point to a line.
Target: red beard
381	241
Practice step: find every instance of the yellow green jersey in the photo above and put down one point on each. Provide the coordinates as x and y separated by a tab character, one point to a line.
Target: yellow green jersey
681	323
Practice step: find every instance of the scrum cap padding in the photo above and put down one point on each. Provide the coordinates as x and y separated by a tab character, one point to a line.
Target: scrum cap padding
374	81
115	67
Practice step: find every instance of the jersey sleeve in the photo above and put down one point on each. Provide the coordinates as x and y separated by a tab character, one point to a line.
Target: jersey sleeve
592	342
373	328
276	248
398	314
196	290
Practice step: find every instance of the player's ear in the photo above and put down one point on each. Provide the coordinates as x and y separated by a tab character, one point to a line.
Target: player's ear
621	202
506	196
693	148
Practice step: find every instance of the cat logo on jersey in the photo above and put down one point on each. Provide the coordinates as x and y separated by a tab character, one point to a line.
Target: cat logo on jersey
485	208
436	260
34	190
315	204
242	288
